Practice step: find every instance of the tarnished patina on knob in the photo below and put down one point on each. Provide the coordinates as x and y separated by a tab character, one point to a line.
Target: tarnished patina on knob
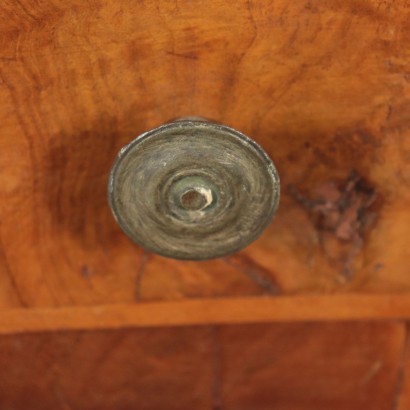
193	189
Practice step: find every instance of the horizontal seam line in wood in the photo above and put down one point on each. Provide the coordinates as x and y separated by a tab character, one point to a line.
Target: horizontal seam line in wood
208	311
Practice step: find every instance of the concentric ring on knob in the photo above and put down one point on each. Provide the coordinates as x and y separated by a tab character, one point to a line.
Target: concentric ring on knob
193	189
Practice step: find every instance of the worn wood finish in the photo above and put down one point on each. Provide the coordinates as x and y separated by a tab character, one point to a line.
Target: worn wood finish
322	86
288	366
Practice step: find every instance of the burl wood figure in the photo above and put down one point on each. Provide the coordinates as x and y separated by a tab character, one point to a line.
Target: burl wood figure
314	314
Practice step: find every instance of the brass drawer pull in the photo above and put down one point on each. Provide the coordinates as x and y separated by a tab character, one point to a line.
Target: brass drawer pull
193	189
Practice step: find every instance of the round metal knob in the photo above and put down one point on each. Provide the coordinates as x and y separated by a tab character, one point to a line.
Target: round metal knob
193	189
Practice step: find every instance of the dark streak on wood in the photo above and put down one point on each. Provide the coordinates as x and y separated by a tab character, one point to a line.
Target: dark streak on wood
256	273
189	56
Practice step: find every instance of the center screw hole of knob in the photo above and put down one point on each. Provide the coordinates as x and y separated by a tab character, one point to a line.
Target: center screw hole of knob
195	199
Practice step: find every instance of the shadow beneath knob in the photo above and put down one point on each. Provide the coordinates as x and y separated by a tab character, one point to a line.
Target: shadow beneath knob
74	180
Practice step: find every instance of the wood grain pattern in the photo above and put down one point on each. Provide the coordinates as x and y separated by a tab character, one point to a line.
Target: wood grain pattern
323	87
287	366
155	369
310	367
